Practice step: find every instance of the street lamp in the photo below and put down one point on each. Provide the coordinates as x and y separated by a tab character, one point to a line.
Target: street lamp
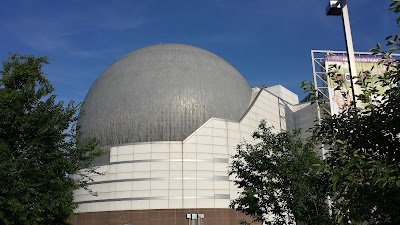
337	8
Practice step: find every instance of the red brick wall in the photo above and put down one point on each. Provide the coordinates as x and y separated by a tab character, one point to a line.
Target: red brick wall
159	217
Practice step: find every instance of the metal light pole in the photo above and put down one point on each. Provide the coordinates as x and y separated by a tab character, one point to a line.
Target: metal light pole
337	8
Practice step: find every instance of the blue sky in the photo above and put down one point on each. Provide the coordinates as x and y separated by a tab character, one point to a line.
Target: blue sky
266	41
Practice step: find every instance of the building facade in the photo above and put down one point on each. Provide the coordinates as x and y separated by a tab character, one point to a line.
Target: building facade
171	117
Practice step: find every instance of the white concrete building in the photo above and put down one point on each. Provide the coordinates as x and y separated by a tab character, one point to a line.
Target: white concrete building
152	169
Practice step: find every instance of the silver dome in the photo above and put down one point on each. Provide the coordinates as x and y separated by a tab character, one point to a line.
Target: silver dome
162	93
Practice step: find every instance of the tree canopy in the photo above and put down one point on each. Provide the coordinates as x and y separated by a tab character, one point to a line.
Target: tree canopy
363	164
39	152
278	179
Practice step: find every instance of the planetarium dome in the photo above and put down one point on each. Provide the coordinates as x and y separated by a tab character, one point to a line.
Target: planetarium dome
162	93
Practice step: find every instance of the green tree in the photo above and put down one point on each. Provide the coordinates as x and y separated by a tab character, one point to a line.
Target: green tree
364	162
278	181
364	159
363	166
361	171
39	153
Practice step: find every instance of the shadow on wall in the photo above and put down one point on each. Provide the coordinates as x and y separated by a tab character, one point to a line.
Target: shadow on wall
289	118
104	158
305	118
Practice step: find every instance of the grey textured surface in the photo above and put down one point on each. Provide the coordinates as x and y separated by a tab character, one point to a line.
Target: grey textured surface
162	93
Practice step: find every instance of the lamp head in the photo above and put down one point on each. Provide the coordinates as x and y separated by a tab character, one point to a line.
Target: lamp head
334	8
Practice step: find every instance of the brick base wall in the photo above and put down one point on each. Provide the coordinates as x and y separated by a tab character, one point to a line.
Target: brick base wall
160	217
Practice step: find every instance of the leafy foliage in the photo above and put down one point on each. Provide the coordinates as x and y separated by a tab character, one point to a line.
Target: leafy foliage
279	183
39	152
364	162
361	171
